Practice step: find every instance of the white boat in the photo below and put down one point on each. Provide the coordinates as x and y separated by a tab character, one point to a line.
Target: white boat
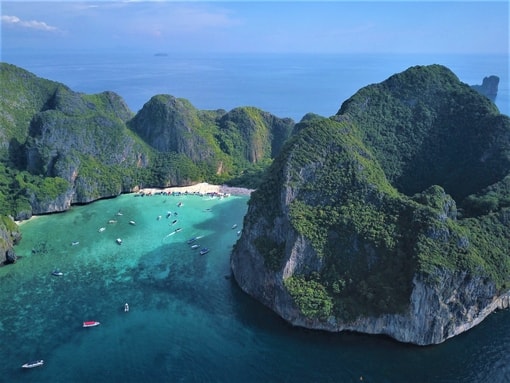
234	225
75	243
91	323
35	363
195	246
57	273
119	241
126	308
204	251
101	229
132	223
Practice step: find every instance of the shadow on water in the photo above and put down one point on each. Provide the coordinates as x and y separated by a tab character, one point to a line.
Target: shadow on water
189	321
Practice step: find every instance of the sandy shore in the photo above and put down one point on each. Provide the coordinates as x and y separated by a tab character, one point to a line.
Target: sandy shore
201	188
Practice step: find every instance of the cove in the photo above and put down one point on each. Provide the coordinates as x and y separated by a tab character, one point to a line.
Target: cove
188	321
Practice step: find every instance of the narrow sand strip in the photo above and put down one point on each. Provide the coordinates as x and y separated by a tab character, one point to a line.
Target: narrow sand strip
201	188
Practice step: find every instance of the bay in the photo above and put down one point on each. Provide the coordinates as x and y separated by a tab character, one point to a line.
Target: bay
188	320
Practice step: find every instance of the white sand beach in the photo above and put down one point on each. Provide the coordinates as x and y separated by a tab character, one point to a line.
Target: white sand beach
201	188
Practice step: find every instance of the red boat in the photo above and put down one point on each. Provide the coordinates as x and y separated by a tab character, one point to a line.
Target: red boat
90	324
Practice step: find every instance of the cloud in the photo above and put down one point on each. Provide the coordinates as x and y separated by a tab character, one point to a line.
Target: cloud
29	24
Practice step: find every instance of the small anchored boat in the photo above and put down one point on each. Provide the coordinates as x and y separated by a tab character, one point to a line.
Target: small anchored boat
132	223
35	363
195	246
204	251
126	307
75	243
57	273
119	241
91	323
101	229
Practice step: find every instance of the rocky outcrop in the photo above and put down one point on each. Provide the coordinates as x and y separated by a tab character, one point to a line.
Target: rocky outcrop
9	236
247	135
489	87
348	233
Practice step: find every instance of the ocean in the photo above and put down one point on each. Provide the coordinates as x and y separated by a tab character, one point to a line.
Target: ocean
286	85
188	320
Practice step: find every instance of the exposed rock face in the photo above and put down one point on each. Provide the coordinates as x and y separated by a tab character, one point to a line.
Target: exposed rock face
9	236
489	87
246	134
169	124
331	241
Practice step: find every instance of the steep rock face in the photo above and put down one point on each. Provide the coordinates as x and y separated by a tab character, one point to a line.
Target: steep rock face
171	124
223	140
348	233
74	132
9	236
262	134
489	87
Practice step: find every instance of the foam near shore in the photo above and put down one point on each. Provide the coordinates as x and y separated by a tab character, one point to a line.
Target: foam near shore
201	188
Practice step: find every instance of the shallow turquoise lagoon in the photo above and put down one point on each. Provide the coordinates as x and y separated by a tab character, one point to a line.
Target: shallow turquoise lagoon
188	320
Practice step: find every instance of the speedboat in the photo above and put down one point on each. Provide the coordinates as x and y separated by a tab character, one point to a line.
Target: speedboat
195	246
191	240
101	229
234	225
57	273
204	251
75	243
119	241
126	308
132	223
35	363
90	323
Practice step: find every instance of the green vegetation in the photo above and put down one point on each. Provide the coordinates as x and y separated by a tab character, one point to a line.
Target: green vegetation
56	141
310	296
412	177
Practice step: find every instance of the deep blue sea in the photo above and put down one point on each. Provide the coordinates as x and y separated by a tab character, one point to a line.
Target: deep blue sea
188	320
287	85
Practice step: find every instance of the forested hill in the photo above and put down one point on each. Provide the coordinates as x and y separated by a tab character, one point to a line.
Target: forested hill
391	217
59	147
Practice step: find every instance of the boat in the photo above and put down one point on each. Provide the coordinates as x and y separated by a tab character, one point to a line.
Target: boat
91	323
174	222
75	243
126	307
119	241
57	273
101	229
35	363
132	223
179	204
204	251
191	240
234	225
177	230
112	221
195	246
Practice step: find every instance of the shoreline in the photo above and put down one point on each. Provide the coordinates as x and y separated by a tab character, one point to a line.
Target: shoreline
201	189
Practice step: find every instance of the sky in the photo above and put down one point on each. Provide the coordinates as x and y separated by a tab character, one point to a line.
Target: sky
258	26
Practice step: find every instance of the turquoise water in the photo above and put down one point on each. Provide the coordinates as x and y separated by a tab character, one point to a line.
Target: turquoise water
188	320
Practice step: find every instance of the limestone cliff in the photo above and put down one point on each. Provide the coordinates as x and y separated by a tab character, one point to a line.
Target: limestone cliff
489	87
388	218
